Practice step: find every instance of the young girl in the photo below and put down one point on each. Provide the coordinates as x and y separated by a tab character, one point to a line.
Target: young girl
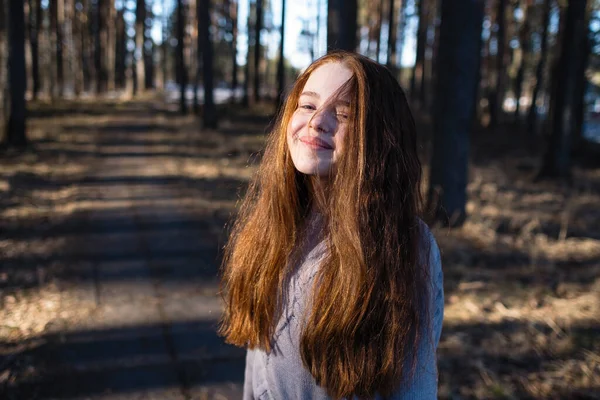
330	279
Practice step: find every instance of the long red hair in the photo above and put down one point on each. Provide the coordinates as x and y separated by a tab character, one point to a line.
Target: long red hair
369	300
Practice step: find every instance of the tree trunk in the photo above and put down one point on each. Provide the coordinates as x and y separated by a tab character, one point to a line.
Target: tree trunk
16	75
209	110
251	40
111	38
35	24
419	68
391	50
90	73
401	29
120	50
165	44
497	93
140	16
458	65
257	49
539	74
4	94
378	31
281	61
563	102
180	59
234	32
581	83
342	24
56	78
525	39
100	47
148	56
197	60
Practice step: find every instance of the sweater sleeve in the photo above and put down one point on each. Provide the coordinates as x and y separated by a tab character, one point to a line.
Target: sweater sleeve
424	384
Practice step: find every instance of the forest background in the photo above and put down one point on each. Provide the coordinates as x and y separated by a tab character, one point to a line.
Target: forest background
130	129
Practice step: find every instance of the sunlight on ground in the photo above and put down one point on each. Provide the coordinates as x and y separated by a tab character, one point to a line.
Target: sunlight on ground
522	276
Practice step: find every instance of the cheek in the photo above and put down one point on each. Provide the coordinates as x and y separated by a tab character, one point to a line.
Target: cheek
296	123
340	137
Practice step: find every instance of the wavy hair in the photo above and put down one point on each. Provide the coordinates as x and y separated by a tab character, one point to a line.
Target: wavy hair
368	300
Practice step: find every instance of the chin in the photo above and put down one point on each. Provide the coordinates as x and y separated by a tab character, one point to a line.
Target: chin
315	169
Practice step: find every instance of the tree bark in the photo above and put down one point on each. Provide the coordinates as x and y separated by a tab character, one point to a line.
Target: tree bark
35	24
140	16
182	71
539	73
401	29
525	40
250	36
458	65
56	37
378	31
281	61
100	47
419	68
342	24
111	38
257	49
4	93
120	50
16	136
233	11
496	99
391	50
564	98
209	111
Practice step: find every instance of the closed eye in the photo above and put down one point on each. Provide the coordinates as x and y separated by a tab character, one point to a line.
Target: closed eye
343	115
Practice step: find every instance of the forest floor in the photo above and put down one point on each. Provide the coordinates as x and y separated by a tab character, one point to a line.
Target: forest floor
110	232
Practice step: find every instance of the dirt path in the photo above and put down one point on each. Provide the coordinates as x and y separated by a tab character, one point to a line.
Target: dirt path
110	231
136	271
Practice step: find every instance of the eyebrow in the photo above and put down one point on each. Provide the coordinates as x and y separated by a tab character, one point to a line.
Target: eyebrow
318	96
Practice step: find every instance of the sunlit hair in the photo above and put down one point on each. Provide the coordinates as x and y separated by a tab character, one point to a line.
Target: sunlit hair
368	300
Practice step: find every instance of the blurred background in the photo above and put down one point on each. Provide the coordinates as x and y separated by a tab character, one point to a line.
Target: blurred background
129	131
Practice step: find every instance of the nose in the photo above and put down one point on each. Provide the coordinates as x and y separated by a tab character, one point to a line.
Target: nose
322	122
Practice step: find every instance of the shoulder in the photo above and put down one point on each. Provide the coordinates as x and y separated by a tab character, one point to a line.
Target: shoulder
430	258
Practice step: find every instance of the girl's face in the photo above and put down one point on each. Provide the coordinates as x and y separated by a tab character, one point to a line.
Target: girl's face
318	126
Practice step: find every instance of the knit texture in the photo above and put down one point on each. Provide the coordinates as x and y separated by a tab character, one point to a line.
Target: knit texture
280	374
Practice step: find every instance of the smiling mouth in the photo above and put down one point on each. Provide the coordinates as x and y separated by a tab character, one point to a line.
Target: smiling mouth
315	143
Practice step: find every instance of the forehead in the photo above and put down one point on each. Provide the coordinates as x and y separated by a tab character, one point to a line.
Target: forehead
327	79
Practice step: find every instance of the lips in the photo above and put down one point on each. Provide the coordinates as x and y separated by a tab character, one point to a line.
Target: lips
315	143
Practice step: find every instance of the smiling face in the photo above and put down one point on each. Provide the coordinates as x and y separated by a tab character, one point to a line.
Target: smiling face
320	122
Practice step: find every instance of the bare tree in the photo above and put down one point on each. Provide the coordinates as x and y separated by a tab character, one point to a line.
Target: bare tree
251	40
539	71
342	24
180	62
233	13
419	68
140	16
209	111
56	29
257	48
457	65
281	61
391	50
564	97
4	95
15	130
35	25
525	42
497	93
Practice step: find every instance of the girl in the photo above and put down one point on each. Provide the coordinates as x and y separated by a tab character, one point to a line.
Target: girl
330	279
